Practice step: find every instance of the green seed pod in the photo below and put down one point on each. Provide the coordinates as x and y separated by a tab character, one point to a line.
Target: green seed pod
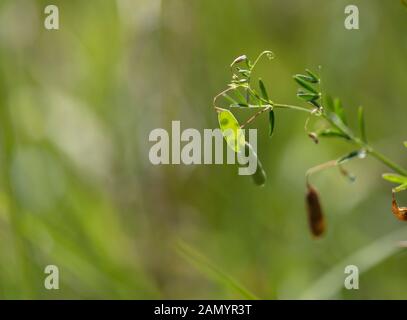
316	218
259	177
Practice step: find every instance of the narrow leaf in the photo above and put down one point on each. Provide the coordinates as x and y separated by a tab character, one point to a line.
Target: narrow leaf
307	78
358	153
340	111
405	143
329	103
230	99
271	122
304	84
340	125
401	187
362	129
307	96
314	77
241	98
332	133
263	90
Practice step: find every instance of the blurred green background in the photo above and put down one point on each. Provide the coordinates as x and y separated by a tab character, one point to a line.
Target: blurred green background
77	189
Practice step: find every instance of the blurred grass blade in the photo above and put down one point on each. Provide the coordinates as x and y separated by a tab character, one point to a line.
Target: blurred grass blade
330	284
212	271
361	118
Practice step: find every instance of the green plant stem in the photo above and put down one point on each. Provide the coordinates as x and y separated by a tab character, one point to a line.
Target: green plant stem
379	156
292	107
369	149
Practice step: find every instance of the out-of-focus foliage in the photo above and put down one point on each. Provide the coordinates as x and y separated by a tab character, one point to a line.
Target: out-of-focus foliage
77	189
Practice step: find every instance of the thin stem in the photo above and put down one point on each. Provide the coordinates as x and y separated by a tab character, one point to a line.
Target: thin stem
379	156
268	52
388	162
289	106
322	166
251	119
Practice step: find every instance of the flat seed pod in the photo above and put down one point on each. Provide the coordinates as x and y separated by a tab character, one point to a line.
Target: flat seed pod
231	130
259	177
316	218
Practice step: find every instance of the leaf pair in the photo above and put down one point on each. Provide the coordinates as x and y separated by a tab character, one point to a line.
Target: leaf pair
265	96
308	91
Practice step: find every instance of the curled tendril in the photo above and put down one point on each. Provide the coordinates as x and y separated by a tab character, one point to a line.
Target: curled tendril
269	54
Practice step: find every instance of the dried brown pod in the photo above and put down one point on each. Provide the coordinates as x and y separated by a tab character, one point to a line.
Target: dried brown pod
399	212
316	218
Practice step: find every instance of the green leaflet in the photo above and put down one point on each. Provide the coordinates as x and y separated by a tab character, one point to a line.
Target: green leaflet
313	76
337	121
303	83
395	178
401	187
307	96
332	133
329	103
230	99
358	153
263	90
231	130
272	119
340	111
